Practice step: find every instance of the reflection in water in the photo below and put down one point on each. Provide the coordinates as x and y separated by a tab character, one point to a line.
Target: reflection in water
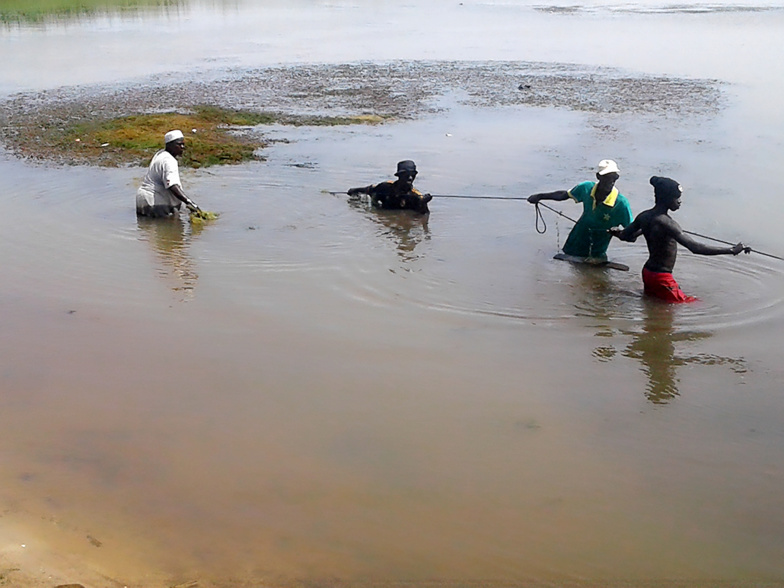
654	346
169	240
38	11
598	288
405	228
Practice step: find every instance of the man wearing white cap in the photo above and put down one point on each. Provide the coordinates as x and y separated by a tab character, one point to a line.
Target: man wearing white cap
603	208
161	191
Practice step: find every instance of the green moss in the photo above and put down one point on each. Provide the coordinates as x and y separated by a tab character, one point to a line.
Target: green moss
213	135
330	121
203	216
34	11
227	116
209	139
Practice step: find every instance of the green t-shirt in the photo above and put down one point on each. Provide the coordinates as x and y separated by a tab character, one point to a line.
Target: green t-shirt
589	237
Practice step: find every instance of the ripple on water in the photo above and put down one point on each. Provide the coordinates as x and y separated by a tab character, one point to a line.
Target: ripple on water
449	263
69	236
500	278
732	292
287	241
738	292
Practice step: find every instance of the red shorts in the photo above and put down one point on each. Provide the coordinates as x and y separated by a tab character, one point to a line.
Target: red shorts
662	285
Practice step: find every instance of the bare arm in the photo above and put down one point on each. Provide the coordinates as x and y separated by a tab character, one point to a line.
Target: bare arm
558	195
630	233
701	248
180	195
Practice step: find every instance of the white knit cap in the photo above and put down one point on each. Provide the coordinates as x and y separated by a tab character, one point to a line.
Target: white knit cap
172	136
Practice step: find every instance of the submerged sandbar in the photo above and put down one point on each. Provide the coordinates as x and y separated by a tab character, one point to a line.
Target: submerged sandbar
236	105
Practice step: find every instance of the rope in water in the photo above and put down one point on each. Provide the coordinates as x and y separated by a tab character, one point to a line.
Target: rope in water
539	217
480	197
541	222
460	196
731	244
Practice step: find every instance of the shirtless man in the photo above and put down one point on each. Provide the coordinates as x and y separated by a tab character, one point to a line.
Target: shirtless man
662	235
399	194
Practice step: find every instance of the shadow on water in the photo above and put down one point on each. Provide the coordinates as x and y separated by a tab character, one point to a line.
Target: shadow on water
657	339
405	228
170	241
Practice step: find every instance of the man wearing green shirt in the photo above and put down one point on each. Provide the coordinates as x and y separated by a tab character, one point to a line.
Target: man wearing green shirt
603	208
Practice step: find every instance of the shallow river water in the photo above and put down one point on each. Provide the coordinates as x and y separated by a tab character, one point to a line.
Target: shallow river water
311	391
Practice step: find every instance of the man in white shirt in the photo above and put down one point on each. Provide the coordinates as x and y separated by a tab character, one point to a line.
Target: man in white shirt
161	191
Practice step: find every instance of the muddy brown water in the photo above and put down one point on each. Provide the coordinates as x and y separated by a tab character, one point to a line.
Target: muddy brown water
308	390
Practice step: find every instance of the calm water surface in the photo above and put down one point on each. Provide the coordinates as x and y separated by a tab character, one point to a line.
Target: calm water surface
309	389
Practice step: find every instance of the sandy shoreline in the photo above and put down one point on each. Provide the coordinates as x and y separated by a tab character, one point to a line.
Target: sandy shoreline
28	561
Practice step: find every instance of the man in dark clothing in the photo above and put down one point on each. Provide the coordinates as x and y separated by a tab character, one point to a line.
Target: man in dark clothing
399	194
662	235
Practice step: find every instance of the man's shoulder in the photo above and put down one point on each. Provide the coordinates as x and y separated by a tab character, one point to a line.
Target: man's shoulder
163	157
622	201
382	186
582	190
587	185
661	221
383	191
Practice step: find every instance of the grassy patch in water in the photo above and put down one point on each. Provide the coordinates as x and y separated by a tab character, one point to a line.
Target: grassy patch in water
331	121
213	135
35	11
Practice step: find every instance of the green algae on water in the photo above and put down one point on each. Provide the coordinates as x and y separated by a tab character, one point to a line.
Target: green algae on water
210	137
199	217
213	135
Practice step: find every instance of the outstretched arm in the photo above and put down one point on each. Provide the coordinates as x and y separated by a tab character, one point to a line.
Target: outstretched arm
180	195
701	248
363	190
557	195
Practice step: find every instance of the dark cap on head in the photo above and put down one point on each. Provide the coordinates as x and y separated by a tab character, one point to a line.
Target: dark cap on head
406	167
665	188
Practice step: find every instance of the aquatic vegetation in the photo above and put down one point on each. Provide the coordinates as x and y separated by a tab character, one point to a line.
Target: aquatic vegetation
210	132
331	121
202	216
74	125
36	11
213	135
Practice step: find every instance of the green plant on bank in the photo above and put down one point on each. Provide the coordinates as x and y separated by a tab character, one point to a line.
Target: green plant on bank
209	141
35	11
213	135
